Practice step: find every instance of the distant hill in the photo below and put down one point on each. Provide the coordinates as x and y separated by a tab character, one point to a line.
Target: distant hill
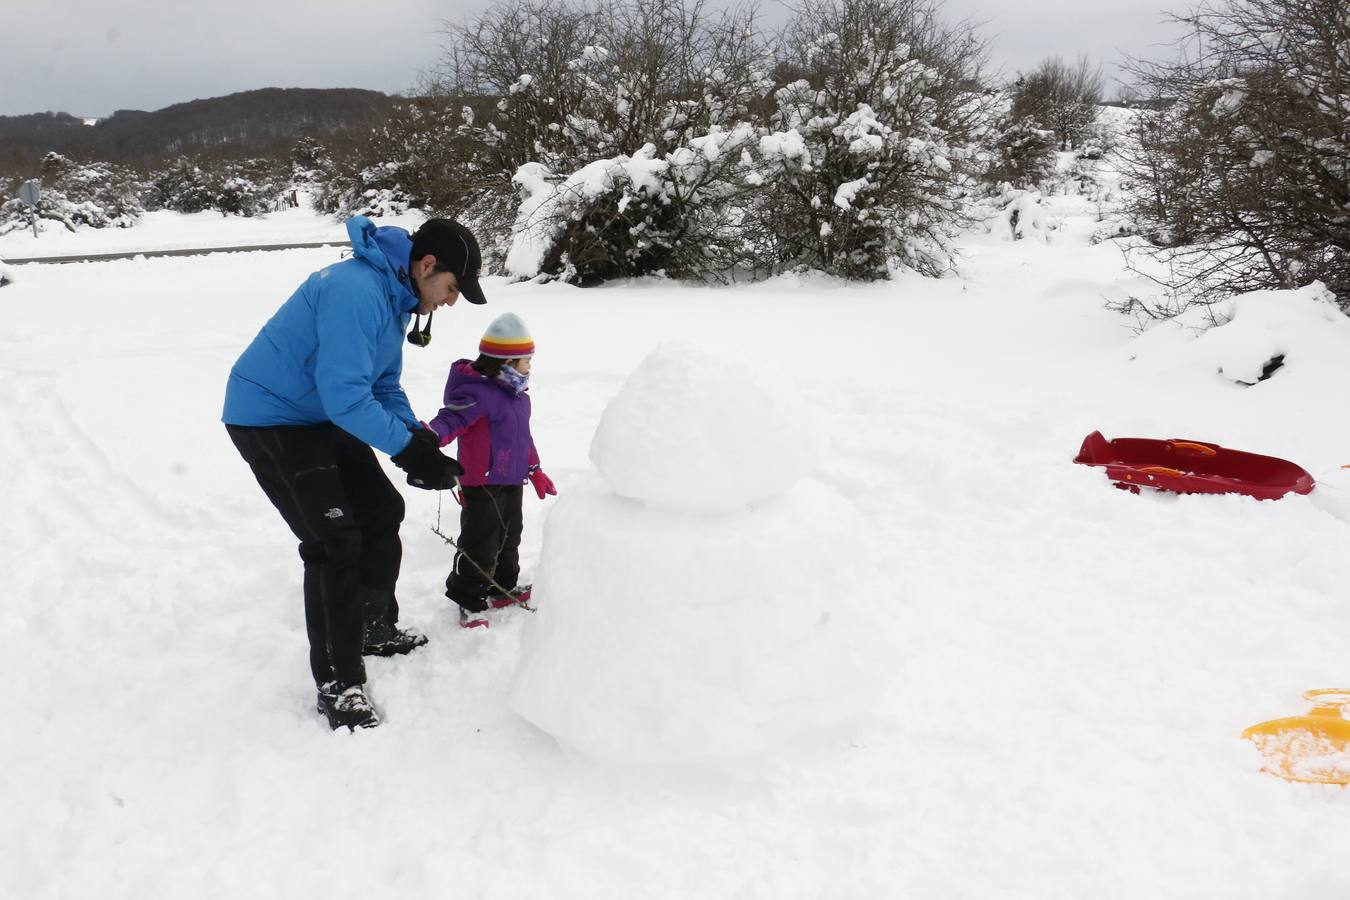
252	123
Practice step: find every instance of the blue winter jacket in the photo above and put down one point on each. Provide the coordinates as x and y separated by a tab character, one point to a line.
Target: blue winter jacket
333	352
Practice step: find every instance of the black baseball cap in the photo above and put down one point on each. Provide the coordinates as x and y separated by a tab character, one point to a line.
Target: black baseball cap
456	249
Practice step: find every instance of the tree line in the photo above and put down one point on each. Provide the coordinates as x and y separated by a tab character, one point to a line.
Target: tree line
260	123
594	139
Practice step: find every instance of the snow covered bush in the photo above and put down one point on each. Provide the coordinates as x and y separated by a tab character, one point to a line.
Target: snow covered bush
375	190
248	187
871	150
614	120
1021	154
415	160
646	136
96	194
1060	98
310	159
636	215
251	187
1020	215
181	186
1244	183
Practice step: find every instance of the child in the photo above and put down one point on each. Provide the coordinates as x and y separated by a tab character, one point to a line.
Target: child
488	410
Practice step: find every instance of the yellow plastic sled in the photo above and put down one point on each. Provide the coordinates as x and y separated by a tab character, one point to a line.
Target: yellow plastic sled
1314	747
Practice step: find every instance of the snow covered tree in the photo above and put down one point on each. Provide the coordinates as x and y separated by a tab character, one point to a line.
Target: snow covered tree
645	135
871	152
1021	154
415	160
1244	182
181	186
1059	98
310	159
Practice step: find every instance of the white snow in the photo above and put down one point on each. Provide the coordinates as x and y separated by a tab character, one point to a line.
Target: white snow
721	537
532	237
679	637
696	432
1232	98
1332	494
166	230
1236	338
1023	216
788	146
846	193
1070	665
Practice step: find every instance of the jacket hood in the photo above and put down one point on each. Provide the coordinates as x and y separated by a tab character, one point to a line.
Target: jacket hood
386	249
463	373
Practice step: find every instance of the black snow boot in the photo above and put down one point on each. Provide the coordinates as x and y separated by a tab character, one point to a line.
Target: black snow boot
347	706
382	636
395	642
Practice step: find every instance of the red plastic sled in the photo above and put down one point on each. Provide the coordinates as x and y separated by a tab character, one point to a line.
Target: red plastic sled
1192	467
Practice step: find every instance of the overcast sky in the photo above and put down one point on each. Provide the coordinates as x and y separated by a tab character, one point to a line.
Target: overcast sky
91	57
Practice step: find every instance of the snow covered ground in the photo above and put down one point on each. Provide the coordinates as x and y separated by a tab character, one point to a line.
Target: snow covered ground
1070	665
165	230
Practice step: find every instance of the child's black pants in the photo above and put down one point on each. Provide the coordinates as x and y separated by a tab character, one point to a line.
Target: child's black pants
489	544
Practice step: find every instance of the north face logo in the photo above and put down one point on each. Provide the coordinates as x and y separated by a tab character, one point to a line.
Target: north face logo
333	513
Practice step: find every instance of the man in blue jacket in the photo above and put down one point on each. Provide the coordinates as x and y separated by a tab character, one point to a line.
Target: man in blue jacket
305	403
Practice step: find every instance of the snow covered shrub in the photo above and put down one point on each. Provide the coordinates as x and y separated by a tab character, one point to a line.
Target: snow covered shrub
95	194
613	87
636	215
250	187
415	160
1021	215
182	186
1060	98
869	158
310	160
1021	155
1098	141
374	189
1244	183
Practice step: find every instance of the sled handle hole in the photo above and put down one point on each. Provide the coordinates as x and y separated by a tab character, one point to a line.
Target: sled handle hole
1192	447
1329	698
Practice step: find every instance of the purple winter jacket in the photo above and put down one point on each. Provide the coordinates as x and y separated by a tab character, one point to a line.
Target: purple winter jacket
491	422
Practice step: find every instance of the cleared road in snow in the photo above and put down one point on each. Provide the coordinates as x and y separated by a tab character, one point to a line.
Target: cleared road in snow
193	251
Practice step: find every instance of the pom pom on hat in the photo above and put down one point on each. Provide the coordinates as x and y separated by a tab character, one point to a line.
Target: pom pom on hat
507	338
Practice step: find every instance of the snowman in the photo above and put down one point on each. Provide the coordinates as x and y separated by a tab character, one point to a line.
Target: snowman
691	598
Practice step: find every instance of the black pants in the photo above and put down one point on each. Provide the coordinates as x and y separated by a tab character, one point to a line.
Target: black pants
489	544
333	494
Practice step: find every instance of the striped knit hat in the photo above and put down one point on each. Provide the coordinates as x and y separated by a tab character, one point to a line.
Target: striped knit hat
507	338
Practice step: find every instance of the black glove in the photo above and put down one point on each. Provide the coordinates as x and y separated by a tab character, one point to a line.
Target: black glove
427	467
